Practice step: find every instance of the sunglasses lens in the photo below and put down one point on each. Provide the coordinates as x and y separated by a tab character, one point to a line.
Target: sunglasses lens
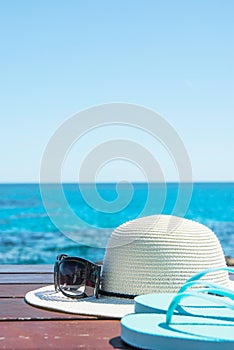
72	278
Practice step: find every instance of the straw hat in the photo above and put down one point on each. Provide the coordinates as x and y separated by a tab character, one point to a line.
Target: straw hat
154	254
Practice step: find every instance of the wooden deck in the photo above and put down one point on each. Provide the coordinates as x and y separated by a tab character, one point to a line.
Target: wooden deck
26	327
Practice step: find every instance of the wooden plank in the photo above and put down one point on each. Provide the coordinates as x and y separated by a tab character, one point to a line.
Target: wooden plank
14	278
17	290
26	268
13	309
46	278
67	334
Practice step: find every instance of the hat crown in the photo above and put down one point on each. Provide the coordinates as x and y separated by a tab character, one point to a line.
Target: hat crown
158	253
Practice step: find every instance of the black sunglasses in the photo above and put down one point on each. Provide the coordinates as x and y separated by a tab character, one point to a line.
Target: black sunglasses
76	277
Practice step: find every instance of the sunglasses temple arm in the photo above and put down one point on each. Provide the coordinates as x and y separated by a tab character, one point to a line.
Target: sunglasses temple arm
98	281
56	269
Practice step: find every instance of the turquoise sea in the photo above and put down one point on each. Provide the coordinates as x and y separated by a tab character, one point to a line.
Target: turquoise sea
29	235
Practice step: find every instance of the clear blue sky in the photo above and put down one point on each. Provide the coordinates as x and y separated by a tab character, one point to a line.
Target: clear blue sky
173	56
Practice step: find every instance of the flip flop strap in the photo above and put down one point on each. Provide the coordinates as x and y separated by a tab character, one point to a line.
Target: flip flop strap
203	283
221	291
199	275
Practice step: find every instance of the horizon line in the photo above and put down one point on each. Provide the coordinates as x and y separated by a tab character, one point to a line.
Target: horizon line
113	182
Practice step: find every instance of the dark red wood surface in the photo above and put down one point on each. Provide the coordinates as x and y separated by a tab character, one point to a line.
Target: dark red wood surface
26	327
95	334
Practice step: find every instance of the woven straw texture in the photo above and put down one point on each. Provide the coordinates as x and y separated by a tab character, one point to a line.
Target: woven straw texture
157	254
106	307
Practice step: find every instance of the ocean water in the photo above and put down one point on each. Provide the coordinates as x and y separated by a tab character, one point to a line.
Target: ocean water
34	228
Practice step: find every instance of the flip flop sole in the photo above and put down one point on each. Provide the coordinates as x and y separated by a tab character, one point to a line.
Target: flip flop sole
150	331
159	303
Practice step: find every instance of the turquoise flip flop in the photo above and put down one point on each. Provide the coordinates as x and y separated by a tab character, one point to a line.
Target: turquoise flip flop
202	319
169	332
159	303
209	308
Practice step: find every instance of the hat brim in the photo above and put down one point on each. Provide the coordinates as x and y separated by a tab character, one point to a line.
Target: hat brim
107	307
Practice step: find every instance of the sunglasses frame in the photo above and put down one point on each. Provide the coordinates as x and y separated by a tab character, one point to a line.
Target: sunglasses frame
88	264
